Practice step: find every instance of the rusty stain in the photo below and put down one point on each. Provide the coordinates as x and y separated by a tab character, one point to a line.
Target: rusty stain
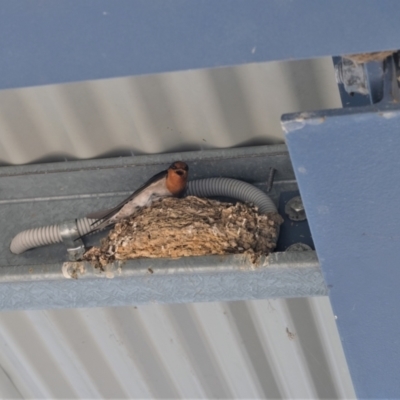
363	58
291	335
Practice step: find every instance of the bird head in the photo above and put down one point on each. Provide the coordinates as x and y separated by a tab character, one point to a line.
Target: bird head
177	177
179	168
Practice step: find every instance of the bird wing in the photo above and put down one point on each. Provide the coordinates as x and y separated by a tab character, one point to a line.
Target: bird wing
104	214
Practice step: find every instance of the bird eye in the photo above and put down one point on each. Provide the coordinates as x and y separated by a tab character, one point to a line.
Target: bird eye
179	165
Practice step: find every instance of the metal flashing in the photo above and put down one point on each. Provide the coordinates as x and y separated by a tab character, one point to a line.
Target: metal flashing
346	169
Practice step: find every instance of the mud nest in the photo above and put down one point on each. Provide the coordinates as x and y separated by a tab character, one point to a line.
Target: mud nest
188	227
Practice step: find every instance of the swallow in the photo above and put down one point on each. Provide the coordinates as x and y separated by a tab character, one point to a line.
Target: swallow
168	183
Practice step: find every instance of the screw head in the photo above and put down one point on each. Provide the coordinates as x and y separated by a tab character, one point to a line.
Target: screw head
299	247
295	209
297	205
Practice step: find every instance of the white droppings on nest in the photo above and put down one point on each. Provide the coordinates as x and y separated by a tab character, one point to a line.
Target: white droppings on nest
191	226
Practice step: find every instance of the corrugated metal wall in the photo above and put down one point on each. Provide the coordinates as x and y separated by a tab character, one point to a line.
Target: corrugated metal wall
178	111
255	349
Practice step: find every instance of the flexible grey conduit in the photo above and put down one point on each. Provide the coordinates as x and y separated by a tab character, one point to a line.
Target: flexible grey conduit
210	187
233	188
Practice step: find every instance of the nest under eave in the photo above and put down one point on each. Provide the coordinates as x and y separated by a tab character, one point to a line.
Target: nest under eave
188	227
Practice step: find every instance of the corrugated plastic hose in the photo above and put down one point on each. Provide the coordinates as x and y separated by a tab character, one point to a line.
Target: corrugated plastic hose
210	187
226	187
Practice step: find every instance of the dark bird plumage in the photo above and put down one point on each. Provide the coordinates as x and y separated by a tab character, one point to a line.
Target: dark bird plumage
171	182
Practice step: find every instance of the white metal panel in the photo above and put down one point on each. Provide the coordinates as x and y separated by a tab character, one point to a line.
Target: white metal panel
254	349
251	349
332	348
178	111
284	352
225	343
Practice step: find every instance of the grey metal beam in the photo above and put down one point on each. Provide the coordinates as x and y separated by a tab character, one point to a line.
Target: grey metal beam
37	195
191	279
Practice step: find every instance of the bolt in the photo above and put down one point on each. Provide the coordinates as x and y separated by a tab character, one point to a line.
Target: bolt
297	205
299	247
295	210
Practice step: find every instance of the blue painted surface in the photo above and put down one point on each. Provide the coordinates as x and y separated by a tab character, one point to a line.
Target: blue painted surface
347	163
46	41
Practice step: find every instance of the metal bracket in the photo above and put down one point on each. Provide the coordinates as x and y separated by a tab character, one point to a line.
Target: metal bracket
352	76
343	157
70	236
375	79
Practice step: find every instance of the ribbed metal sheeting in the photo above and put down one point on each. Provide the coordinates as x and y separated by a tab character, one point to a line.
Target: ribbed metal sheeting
178	111
275	349
255	349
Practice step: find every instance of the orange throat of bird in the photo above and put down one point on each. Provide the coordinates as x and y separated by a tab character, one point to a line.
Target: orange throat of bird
176	181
